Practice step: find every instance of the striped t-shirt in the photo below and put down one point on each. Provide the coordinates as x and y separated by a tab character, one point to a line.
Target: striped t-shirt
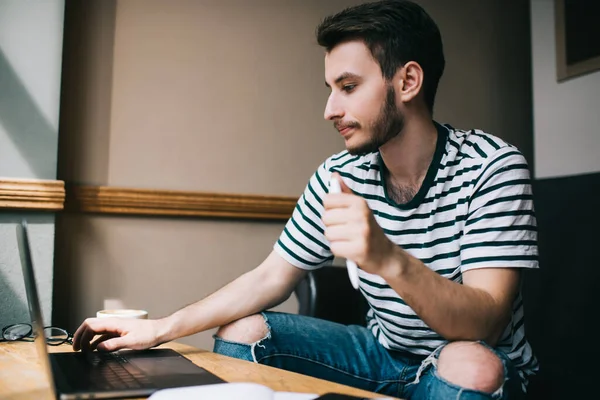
473	210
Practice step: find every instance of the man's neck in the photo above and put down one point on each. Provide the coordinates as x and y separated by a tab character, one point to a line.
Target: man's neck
407	157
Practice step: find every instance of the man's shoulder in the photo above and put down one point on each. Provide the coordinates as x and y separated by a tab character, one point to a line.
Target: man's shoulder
476	146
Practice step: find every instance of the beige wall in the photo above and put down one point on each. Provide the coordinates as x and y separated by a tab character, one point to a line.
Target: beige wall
227	96
487	82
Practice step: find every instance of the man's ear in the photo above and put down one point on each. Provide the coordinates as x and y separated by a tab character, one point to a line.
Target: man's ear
408	81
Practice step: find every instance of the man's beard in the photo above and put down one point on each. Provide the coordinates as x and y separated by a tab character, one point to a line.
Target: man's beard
388	125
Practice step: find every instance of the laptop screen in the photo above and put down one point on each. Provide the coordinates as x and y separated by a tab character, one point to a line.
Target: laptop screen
33	300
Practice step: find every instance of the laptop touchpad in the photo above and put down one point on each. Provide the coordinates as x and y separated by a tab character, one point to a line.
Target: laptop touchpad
161	366
169	369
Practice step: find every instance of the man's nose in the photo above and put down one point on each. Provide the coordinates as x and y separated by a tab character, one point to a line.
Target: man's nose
333	110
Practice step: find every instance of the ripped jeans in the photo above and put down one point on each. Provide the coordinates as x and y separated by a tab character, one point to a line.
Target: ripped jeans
352	356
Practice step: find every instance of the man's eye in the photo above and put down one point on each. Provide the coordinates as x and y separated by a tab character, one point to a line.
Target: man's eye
348	88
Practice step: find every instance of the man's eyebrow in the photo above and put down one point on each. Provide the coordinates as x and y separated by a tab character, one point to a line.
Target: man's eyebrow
345	75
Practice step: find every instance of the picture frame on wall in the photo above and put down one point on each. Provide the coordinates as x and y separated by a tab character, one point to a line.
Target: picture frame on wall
577	37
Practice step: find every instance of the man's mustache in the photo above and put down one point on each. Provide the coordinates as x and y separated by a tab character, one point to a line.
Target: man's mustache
340	125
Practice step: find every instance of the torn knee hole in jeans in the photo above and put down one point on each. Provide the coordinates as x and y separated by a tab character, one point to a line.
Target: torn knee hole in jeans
259	342
432	360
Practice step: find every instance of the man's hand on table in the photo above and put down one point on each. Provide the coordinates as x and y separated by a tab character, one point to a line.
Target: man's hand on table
116	334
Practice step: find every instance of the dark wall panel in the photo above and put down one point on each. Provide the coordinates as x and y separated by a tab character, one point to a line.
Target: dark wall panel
562	298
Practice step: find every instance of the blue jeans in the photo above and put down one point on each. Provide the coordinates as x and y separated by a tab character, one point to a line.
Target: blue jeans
351	355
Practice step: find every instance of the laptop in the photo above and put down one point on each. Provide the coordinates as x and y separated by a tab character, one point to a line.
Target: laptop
121	374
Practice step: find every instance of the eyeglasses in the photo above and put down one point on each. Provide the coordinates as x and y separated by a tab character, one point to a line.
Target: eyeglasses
54	336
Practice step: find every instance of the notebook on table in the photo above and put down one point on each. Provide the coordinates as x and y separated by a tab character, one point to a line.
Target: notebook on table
125	373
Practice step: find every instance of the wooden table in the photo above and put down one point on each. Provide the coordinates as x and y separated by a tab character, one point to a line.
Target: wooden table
22	377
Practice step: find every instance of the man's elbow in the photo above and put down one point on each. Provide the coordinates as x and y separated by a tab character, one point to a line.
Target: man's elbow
495	330
489	331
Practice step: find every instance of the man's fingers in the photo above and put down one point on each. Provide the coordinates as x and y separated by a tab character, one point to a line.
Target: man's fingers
116	343
343	200
86	337
337	200
76	340
77	335
102	338
95	326
345	249
341	232
335	216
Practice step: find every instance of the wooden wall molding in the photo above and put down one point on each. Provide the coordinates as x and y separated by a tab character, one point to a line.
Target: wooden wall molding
148	202
31	194
49	195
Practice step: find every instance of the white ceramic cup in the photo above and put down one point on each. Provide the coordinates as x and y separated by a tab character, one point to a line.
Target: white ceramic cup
122	313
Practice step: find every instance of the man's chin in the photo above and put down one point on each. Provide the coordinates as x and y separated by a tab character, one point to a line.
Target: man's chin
361	150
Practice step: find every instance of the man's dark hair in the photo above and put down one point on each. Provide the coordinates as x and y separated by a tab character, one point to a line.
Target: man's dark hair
396	32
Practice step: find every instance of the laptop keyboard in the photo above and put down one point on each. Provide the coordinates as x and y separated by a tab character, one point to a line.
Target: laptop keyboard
110	371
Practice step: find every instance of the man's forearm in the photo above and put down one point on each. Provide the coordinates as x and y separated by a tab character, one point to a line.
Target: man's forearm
248	294
453	310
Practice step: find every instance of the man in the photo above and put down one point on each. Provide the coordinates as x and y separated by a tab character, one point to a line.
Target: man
439	220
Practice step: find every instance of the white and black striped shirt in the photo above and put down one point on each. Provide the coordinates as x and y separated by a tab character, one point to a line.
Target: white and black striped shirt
474	210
